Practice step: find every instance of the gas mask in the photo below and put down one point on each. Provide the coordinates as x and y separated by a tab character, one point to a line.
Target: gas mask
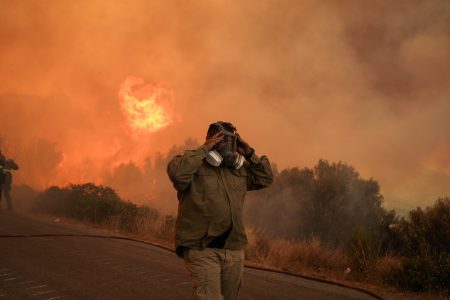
226	153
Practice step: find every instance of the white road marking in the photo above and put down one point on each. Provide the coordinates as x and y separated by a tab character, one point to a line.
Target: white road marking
9	279
43	292
57	297
37	287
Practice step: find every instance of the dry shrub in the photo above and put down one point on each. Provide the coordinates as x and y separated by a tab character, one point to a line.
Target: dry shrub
145	226
294	255
112	223
384	264
160	227
258	246
310	254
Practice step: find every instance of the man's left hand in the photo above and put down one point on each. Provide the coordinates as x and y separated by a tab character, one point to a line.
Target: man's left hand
243	148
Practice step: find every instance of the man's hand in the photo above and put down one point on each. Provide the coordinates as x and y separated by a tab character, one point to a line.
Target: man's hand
213	140
243	148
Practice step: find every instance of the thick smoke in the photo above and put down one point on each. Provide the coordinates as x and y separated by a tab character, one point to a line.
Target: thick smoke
365	82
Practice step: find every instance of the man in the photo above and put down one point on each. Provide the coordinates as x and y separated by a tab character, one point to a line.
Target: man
9	166
2	175
211	182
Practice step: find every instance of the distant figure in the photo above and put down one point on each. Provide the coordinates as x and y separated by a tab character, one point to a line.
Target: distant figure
6	166
211	182
2	174
10	165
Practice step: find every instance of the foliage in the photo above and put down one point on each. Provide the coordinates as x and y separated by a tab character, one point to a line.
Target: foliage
328	202
292	255
93	203
422	273
362	250
424	232
424	238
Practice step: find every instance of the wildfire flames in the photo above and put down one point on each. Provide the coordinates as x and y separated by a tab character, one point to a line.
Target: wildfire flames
147	107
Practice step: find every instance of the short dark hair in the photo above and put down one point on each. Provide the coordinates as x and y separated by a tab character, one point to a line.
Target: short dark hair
217	127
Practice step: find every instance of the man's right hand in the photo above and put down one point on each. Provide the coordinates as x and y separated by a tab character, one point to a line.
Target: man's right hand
213	140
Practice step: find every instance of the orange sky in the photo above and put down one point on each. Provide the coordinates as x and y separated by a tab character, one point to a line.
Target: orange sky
365	82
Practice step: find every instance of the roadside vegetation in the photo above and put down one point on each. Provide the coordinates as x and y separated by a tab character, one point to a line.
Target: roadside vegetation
326	222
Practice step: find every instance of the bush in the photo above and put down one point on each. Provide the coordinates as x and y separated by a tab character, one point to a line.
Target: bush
94	203
362	250
424	232
421	274
424	239
53	201
293	255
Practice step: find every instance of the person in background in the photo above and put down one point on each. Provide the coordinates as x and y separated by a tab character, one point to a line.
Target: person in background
8	167
211	182
2	175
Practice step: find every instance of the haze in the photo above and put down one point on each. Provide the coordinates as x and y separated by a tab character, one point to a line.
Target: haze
364	82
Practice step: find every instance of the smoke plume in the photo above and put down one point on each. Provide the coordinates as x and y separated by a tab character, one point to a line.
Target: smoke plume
364	82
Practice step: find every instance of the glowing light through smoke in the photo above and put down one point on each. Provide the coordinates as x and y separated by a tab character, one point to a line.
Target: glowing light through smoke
147	107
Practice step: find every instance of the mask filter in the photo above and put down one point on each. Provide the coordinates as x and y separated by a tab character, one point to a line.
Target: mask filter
238	162
214	158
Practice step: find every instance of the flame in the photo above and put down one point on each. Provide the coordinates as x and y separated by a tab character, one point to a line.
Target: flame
147	107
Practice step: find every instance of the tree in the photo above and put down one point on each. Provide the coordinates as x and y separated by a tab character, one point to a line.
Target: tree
329	201
424	232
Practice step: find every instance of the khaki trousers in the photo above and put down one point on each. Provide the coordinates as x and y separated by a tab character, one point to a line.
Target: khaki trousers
216	273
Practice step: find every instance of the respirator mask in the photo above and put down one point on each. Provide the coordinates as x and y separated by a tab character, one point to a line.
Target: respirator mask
225	152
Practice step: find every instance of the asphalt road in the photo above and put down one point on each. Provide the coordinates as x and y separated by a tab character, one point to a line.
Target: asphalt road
104	268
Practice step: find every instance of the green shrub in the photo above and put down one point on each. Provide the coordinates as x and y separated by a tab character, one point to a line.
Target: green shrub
421	274
426	232
93	203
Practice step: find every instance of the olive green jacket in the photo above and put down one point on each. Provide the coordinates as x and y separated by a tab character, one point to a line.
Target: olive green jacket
211	198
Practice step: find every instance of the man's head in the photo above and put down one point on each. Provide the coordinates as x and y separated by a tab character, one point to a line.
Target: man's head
228	131
227	147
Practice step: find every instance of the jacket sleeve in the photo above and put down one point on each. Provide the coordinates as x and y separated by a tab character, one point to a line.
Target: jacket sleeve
259	172
181	168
